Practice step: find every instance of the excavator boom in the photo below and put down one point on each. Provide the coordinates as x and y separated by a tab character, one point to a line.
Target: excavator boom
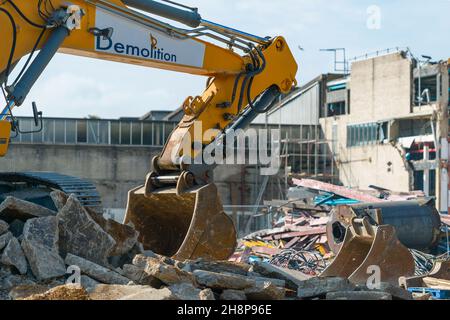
177	210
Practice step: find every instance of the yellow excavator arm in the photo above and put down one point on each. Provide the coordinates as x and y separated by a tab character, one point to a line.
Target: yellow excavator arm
246	73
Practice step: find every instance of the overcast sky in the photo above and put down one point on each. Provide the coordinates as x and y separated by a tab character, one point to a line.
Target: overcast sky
76	87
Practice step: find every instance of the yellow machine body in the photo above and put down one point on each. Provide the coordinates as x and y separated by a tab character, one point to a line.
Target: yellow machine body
185	223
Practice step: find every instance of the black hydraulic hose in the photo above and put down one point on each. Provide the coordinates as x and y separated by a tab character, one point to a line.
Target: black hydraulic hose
247	76
251	81
13	45
25	17
250	77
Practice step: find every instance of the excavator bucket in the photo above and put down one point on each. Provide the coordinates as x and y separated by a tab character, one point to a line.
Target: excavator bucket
366	247
184	226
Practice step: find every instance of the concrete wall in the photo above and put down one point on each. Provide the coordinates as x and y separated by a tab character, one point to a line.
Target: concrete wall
117	169
114	169
380	88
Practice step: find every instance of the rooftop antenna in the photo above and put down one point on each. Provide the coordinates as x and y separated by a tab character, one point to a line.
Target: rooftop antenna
340	62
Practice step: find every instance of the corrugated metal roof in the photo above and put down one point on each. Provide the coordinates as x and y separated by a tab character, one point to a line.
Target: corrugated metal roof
301	108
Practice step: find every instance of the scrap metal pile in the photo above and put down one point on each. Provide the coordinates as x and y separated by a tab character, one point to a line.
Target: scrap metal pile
300	243
332	231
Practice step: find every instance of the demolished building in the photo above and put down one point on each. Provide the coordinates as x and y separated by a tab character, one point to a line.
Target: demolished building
387	125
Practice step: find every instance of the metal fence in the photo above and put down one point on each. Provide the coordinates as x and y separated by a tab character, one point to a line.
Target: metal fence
95	131
118	132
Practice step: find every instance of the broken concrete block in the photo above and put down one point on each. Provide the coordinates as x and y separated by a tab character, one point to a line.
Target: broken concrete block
315	287
114	291
96	271
164	272
358	295
395	291
64	292
13	280
151	294
127	258
219	266
207	294
139	276
4	239
216	280
81	235
276	282
4	226
88	283
14	256
264	290
231	294
44	263
42	231
40	245
150	253
23	291
185	291
59	198
123	292
124	235
292	277
12	208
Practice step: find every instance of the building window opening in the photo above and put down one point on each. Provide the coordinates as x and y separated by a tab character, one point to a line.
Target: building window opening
366	134
336	108
425	90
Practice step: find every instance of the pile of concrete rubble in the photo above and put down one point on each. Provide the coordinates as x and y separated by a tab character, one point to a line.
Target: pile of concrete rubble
77	254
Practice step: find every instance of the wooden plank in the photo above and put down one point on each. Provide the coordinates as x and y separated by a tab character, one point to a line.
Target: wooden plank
341	191
437	283
305	232
266	251
292	242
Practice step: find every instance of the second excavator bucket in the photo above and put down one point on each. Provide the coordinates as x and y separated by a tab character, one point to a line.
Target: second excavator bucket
367	248
184	226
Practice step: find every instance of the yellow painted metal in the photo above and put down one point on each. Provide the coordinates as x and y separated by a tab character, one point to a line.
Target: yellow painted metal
280	70
189	224
222	64
5	133
82	42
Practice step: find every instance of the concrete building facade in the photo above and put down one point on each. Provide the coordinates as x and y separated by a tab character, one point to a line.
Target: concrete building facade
393	130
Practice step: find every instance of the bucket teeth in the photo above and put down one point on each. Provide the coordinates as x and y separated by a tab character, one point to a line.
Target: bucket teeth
367	249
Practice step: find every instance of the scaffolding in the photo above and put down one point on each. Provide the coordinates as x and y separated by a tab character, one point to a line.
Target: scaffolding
309	156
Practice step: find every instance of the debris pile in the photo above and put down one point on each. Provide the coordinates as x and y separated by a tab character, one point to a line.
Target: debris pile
300	243
76	254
